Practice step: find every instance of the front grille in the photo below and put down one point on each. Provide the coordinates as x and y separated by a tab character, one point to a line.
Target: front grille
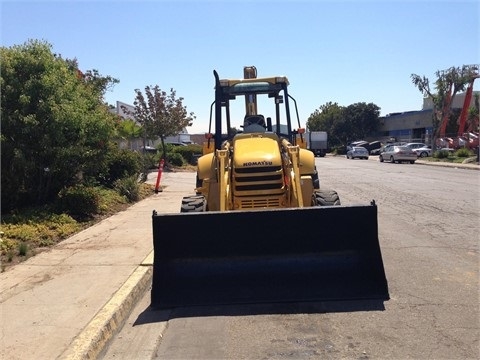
258	181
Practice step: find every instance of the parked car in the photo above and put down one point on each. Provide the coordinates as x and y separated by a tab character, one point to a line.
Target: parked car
450	150
414	146
395	153
357	143
423	151
378	151
382	148
357	152
148	149
176	144
373	147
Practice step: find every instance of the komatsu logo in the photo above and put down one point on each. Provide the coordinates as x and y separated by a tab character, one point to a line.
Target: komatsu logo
258	163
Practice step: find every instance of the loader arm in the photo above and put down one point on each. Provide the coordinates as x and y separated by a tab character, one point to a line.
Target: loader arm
294	173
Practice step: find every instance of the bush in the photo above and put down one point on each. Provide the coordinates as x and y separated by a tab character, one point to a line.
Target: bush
128	187
149	161
441	154
190	153
79	201
175	159
463	152
122	163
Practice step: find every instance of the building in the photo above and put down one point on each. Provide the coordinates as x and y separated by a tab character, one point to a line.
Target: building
415	126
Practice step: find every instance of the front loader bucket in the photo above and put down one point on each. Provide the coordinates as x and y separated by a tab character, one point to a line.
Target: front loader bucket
288	255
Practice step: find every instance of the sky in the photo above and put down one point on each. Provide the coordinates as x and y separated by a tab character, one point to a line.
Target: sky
342	52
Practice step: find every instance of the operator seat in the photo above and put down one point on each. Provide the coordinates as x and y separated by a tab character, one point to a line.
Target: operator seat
254	123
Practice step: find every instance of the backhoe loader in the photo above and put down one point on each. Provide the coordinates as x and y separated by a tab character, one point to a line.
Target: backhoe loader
262	229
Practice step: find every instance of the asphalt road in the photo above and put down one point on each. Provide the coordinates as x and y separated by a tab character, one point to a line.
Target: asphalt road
429	235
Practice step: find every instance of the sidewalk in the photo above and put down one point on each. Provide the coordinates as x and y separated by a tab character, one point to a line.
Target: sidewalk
66	303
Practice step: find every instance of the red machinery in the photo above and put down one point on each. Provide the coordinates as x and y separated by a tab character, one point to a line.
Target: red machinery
463	139
469	138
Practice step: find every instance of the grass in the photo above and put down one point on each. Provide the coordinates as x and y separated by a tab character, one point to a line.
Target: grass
458	157
27	232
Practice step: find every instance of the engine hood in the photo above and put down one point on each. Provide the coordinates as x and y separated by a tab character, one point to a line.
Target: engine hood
256	151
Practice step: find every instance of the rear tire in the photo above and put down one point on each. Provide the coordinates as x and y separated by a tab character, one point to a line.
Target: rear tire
327	198
194	203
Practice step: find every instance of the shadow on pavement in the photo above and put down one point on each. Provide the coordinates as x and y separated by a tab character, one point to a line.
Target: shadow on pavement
151	315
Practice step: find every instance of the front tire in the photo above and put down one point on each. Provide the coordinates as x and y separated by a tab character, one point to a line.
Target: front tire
315	180
193	204
327	198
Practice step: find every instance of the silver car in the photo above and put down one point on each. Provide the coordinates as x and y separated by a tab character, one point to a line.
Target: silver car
357	152
414	146
423	151
398	154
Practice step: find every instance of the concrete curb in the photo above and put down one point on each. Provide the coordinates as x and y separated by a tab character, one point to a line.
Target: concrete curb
95	336
470	166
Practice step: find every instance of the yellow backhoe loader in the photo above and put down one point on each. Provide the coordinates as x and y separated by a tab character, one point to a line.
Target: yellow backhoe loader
260	228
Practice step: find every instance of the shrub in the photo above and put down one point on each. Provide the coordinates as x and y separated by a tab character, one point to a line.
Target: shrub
22	249
148	161
122	163
441	154
175	159
128	187
463	152
190	153
79	201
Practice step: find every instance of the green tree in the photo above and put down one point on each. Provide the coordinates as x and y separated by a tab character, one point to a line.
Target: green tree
324	118
361	120
327	117
54	126
345	124
160	114
448	83
127	129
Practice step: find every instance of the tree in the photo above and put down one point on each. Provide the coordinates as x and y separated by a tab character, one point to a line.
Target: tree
449	82
327	117
361	120
54	125
128	129
324	118
345	124
160	114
